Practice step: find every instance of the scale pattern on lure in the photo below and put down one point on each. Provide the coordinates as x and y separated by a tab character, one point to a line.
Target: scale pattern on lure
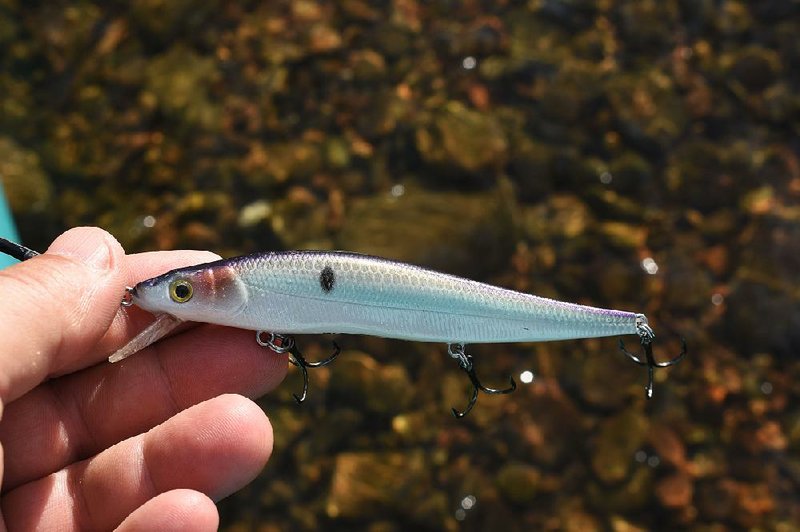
283	294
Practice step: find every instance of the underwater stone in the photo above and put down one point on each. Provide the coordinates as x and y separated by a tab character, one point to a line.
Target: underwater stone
530	167
696	283
157	19
254	213
381	118
306	11
698	166
596	373
632	175
647	26
337	153
9	28
623	235
463	140
744	504
279	162
619	439
367	65
359	380
457	225
360	10
552	433
759	317
634	493
675	490
668	445
392	39
180	81
733	19
756	68
560	216
332	433
323	38
649	113
519	483
372	484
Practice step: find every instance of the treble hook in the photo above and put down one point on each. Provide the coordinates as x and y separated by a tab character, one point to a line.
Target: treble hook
465	362
646	336
288	345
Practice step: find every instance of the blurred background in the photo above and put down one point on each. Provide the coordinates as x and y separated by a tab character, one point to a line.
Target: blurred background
639	155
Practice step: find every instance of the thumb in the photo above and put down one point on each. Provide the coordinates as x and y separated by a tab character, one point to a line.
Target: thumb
55	306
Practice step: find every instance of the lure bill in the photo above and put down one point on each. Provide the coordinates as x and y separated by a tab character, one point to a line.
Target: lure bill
163	325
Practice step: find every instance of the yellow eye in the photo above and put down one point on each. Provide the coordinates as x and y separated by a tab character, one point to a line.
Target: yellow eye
180	290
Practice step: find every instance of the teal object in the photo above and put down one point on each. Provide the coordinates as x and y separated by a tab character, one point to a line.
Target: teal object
7	228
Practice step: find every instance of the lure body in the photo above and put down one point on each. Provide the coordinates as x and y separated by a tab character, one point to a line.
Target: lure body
339	292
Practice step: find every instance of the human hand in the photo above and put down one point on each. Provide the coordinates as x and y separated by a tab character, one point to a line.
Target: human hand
145	443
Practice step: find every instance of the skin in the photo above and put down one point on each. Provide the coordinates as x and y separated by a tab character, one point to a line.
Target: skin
147	443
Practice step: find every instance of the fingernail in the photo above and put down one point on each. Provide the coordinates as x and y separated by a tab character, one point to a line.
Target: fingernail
88	249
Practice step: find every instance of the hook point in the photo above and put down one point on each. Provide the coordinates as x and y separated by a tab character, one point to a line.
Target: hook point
647	359
288	345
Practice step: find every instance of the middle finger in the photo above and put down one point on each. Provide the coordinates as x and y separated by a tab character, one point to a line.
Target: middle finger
77	416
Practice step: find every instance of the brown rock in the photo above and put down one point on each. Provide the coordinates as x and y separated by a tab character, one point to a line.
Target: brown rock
675	491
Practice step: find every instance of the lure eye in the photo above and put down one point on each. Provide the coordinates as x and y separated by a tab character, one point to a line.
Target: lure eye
180	291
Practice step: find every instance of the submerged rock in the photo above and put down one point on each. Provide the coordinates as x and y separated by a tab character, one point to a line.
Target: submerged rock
462	140
519	483
551	432
633	494
596	374
359	380
650	115
374	485
456	227
755	68
619	439
179	83
675	491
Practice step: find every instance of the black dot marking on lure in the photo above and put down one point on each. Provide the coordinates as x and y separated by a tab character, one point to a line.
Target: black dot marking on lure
327	279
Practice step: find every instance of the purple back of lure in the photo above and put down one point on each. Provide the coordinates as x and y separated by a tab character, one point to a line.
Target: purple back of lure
338	292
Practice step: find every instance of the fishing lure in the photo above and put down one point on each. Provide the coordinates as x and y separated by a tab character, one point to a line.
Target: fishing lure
282	294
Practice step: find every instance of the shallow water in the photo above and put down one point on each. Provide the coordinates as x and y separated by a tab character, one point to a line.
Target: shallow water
634	155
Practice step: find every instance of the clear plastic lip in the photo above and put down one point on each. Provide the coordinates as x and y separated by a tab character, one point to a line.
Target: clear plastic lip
157	330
